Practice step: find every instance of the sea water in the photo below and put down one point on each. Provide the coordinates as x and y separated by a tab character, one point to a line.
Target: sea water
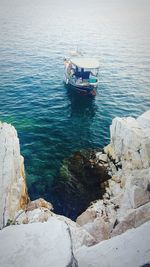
51	122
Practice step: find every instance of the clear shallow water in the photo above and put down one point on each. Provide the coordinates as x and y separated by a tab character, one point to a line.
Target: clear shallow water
51	123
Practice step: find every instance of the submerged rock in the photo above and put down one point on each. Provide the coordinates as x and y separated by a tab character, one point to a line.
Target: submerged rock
80	182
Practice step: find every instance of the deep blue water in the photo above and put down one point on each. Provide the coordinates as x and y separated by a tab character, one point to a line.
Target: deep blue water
51	122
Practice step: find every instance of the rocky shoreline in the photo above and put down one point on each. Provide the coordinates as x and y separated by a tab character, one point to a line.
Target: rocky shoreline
124	205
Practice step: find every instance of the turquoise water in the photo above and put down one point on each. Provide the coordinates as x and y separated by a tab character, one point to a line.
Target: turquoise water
51	122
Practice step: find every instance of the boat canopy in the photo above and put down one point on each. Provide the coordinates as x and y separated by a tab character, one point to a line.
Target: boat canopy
83	62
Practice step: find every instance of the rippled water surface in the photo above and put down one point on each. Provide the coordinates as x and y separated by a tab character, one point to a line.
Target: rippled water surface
51	122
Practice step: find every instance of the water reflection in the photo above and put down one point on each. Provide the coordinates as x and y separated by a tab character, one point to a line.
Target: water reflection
80	105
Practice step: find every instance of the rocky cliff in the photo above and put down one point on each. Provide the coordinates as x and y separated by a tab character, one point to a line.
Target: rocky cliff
42	238
13	192
126	203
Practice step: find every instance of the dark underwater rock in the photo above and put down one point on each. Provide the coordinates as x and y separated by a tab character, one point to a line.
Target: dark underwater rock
81	180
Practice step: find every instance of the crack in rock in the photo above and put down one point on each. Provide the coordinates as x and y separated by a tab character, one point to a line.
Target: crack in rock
73	262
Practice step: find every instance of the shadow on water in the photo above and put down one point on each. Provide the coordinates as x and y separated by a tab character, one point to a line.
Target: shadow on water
81	105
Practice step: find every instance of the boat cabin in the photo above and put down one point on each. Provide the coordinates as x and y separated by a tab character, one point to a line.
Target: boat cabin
84	68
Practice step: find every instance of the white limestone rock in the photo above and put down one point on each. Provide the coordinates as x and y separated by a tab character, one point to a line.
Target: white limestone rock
135	191
114	187
79	235
87	216
98	220
129	188
102	157
144	122
130	141
142	214
38	244
129	249
37	215
132	218
20	217
39	203
99	229
13	193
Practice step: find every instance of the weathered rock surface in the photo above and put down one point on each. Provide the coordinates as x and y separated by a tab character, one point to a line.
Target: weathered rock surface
78	234
129	249
50	244
130	141
127	199
32	216
37	244
39	203
38	210
13	193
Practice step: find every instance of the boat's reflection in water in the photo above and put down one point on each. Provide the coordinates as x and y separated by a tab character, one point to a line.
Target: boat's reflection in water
81	105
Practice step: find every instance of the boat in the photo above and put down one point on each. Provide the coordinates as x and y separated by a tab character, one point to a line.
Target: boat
81	74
